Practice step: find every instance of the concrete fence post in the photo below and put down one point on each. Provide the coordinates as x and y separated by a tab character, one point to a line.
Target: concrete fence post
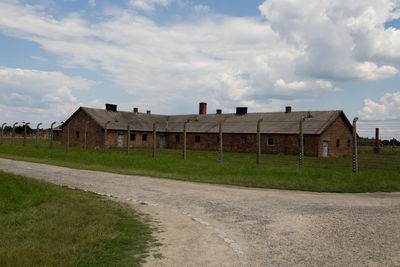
2	133
154	140
13	133
355	153
220	145
51	134
37	135
85	137
184	141
105	137
301	144
259	141
25	125
67	142
128	138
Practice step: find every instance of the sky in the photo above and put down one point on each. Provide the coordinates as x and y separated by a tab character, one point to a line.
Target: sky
168	55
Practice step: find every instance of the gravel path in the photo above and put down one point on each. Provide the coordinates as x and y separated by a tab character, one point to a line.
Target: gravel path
213	225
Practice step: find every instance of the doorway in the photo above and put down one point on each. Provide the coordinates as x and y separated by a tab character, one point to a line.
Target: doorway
120	141
325	148
161	145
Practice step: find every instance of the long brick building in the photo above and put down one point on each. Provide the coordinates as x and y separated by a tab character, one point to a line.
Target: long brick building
326	133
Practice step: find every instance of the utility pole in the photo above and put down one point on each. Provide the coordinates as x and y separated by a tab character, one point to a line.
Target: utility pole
259	141
37	135
67	143
85	137
220	144
2	133
355	156
154	140
105	137
128	138
51	134
184	141
26	124
301	138
13	133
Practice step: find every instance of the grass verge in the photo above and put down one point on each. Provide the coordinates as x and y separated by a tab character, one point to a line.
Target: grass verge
46	225
376	172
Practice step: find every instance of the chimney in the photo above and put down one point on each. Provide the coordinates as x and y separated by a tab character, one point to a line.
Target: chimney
148	112
288	109
203	108
136	110
219	111
241	110
111	107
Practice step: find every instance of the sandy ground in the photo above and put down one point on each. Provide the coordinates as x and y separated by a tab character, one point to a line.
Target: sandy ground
214	225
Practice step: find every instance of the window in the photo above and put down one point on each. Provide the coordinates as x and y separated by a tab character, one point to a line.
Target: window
133	137
197	138
177	138
77	134
304	142
337	142
271	141
348	143
57	133
217	139
243	140
144	137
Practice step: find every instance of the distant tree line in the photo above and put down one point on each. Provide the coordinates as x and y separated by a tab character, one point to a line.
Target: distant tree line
391	142
19	129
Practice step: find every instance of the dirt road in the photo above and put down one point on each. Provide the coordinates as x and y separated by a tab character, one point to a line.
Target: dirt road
213	225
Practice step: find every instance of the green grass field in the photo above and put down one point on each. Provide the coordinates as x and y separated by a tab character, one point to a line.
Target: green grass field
376	172
47	225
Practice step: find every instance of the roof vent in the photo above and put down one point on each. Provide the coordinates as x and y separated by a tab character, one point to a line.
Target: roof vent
111	107
288	109
219	111
136	110
148	112
241	110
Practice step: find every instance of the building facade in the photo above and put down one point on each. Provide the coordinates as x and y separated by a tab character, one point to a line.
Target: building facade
326	133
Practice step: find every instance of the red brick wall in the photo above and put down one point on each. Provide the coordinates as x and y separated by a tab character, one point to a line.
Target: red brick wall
337	131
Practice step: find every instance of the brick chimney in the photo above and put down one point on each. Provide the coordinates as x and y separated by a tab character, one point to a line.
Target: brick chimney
219	111
148	112
111	107
241	110
136	110
203	108
288	109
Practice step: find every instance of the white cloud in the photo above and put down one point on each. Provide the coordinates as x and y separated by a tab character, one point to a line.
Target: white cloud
295	55
92	3
388	107
33	95
201	8
148	5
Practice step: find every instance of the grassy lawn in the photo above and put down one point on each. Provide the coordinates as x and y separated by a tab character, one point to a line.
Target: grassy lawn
46	225
376	172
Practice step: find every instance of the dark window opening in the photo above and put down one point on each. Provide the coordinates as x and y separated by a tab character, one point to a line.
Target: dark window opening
177	138
271	141
77	134
337	142
304	142
348	143
243	140
197	138
217	139
133	137
144	137
57	133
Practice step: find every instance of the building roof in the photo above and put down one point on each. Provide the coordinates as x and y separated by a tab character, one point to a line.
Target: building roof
272	122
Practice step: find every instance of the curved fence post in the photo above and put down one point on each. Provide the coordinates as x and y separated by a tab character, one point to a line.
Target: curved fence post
37	135
301	144
220	145
355	152
51	134
13	133
85	137
2	133
128	138
154	140
26	124
184	141
105	137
